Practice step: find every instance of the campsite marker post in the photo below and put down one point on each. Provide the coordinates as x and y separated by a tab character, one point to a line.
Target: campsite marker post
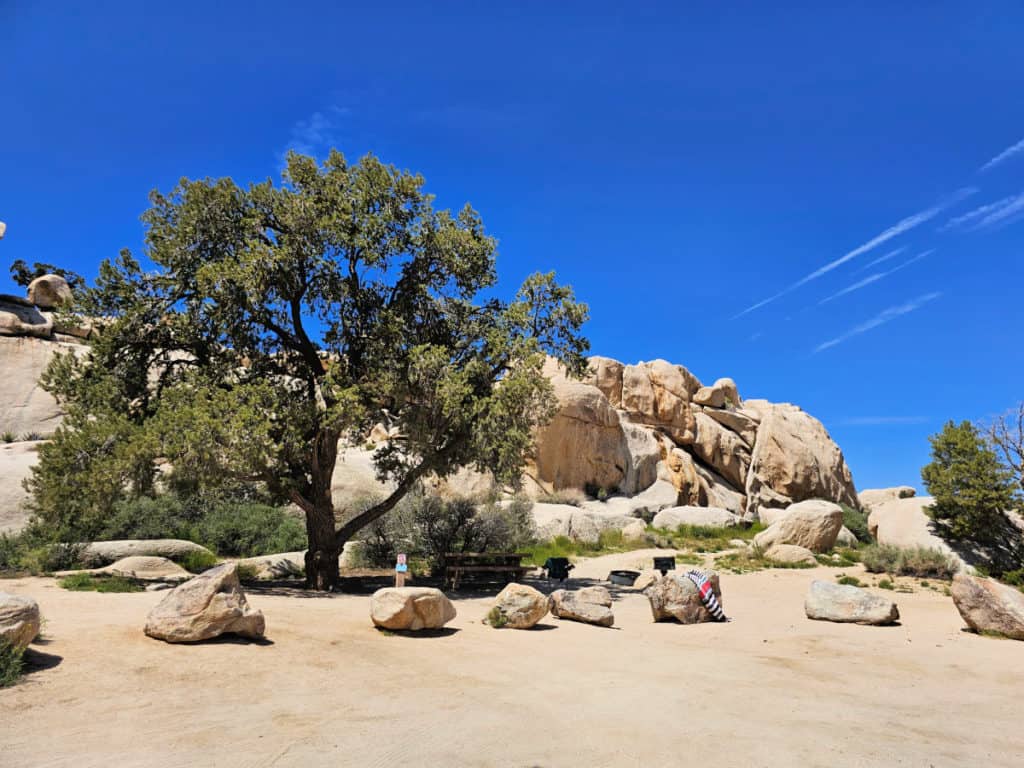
401	568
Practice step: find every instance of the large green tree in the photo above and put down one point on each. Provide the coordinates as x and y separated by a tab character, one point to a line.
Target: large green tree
282	320
973	491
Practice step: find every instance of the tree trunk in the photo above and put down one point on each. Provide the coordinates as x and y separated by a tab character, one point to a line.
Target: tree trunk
322	555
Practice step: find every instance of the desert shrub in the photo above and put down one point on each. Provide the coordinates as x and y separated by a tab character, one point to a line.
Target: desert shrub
885	584
856	522
7	437
914	561
30	437
11	665
246	529
246	572
495	618
165	516
198	561
85	582
850	581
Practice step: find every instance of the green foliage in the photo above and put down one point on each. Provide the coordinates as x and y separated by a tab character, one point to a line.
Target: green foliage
248	529
856	521
496	618
8	437
850	581
22	274
85	582
278	320
30	437
247	572
427	526
11	664
198	561
702	538
973	489
914	561
885	584
841	557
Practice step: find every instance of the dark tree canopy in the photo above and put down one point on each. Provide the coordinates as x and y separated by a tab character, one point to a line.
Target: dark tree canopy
281	319
22	274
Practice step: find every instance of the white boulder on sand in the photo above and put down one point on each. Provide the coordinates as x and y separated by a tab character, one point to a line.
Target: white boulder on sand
590	605
988	606
814	525
410	608
518	606
790	554
710	517
19	620
141	567
848	605
209	605
106	552
676	597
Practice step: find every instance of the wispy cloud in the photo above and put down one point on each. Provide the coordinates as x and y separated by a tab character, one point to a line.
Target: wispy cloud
885	257
896	229
874	421
317	133
1003	156
881	318
986	215
874	278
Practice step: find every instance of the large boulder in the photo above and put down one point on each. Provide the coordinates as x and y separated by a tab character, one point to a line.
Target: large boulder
791	554
20	318
676	597
988	606
711	517
19	620
722	449
743	423
410	608
870	498
811	525
905	523
518	606
794	459
658	394
584	444
49	292
16	462
845	604
140	567
591	605
721	394
24	405
105	552
209	605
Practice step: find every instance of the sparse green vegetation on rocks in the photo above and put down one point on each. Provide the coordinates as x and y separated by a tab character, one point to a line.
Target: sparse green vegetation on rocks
914	561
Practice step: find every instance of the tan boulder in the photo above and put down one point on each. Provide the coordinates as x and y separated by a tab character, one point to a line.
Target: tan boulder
19	620
721	394
106	552
25	406
584	443
49	292
790	554
643	448
715	491
140	567
870	498
722	449
209	605
634	531
743	423
681	470
676	597
905	523
585	605
794	459
23	319
709	517
518	606
646	578
988	606
410	608
16	462
812	526
606	375
658	394
846	538
850	605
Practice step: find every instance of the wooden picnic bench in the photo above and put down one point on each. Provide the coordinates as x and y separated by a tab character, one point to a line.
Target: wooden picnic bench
504	567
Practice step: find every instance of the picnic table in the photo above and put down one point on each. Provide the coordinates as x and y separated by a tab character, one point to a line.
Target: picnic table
504	567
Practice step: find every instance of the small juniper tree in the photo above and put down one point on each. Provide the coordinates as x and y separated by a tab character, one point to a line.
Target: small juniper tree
283	320
972	488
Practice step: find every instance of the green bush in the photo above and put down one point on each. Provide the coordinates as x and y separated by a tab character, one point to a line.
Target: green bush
246	529
885	584
8	437
856	522
145	517
85	582
914	561
198	561
11	664
850	581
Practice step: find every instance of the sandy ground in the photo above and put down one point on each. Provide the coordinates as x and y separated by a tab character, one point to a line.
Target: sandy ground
771	688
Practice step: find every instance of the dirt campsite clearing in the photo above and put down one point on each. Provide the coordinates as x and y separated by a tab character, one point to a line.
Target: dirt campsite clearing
769	688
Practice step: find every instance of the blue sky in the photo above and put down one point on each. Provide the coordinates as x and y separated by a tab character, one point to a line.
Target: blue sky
715	182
